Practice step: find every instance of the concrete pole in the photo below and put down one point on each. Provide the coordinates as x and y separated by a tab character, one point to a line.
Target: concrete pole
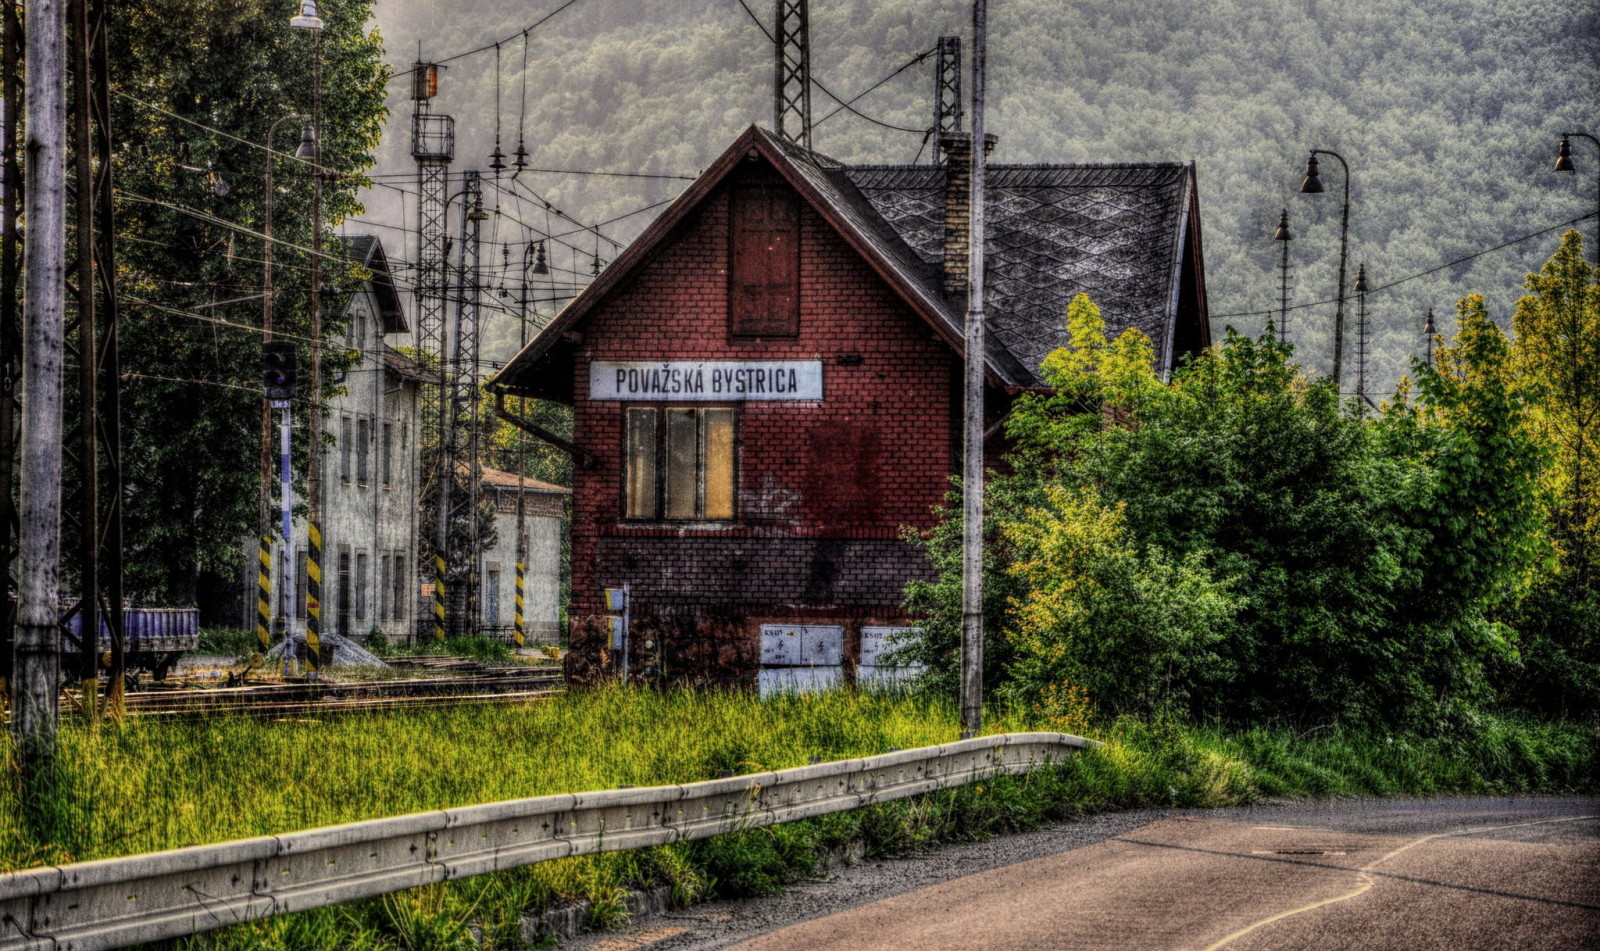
972	469
314	497
35	709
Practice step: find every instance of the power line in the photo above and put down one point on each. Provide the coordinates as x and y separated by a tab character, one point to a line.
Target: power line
489	46
818	83
1431	270
909	63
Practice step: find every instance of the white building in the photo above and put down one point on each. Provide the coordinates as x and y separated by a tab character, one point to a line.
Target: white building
371	469
544	510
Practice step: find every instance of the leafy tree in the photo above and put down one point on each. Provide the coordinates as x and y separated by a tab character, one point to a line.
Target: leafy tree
1239	540
1557	358
1134	627
191	284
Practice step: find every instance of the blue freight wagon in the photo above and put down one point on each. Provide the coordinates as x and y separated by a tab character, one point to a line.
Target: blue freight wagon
153	638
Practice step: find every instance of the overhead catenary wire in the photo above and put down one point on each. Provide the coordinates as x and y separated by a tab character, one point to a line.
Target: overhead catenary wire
826	91
489	46
1420	274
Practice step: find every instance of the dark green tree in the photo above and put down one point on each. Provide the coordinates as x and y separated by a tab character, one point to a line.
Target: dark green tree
197	84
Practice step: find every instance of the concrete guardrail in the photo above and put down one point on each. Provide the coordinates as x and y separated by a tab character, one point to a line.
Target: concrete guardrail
113	903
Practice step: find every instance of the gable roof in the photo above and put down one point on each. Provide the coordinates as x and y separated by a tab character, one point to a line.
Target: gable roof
367	251
1116	232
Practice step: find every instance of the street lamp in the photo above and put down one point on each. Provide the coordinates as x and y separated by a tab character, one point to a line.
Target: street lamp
1313	186
308	20
1564	164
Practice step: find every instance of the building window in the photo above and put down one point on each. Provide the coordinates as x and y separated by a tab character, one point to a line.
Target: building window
401	589
342	608
680	463
386	455
344	449
764	291
491	598
363	450
363	566
381	583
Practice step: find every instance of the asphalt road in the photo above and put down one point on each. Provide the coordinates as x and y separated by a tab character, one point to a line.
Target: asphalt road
1399	874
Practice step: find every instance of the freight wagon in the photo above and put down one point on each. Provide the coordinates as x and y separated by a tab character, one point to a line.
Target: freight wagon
153	638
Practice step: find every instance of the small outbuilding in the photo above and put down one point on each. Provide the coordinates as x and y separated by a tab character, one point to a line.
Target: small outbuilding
766	388
543	518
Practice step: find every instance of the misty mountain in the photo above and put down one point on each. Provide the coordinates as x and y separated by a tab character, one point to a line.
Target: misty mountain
1448	112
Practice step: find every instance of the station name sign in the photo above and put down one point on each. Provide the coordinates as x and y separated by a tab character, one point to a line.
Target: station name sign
706	380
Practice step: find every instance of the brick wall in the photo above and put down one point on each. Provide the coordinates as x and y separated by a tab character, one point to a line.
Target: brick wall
824	488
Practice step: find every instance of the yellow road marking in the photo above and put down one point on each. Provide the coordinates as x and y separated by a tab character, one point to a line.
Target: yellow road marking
1367	881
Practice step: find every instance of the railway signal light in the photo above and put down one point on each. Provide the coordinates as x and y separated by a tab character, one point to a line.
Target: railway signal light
278	369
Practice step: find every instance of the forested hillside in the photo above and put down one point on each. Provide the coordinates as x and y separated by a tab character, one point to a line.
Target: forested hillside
1448	112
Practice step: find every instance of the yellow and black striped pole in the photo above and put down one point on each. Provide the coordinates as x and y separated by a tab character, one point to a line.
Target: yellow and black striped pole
520	634
264	594
438	597
313	596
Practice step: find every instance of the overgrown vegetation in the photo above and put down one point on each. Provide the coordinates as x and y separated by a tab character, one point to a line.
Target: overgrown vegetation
1236	544
185	783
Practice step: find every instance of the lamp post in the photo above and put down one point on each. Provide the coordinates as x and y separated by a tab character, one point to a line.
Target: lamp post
1313	186
1564	164
266	324
308	20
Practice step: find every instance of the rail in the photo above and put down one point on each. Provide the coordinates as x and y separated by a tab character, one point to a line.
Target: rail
113	903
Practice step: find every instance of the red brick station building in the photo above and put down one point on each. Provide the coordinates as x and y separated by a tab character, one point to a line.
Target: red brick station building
766	388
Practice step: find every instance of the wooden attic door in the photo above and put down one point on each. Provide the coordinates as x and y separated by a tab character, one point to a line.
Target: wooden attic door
765	273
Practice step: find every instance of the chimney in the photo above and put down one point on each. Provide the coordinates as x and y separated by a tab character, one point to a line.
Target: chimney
957	148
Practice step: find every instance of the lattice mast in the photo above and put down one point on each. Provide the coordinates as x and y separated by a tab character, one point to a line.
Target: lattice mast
459	450
92	444
1285	278
1361	334
791	92
433	148
947	112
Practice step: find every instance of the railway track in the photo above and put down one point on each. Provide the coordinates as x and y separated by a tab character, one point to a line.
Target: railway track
469	683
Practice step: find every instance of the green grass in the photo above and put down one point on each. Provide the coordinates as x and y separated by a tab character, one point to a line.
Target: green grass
227	642
186	783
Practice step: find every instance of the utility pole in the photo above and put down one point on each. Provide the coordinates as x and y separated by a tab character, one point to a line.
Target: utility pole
10	324
1283	237
37	668
972	470
109	359
791	87
1361	334
88	366
308	20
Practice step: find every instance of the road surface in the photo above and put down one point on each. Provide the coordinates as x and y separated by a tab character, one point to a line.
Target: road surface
1397	874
